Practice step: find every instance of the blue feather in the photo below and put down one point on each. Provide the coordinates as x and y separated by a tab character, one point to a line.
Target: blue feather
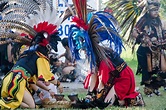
80	39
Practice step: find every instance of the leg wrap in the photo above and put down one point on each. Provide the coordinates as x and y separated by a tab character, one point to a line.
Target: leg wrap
138	101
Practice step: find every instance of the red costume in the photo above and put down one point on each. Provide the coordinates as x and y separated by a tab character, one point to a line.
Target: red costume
124	85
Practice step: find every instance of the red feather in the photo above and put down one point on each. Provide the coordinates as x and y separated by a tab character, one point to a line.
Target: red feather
81	9
80	23
45	26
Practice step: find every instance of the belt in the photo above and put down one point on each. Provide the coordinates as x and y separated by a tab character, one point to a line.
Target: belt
120	67
25	74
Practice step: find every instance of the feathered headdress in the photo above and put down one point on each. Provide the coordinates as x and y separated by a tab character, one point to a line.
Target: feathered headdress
90	30
26	21
127	12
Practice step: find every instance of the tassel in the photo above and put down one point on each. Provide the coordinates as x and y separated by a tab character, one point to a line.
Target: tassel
163	63
149	62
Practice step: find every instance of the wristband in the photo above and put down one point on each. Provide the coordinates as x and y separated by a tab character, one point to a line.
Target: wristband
38	92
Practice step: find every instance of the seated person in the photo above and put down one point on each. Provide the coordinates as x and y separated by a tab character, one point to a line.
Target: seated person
69	66
52	89
14	95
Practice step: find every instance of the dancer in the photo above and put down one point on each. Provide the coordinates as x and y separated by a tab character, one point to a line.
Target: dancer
35	31
110	79
149	34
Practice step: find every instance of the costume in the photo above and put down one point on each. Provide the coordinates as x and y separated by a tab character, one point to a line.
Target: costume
110	79
149	34
36	28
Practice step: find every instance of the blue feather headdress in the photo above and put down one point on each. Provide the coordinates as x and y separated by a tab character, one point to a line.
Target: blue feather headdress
89	34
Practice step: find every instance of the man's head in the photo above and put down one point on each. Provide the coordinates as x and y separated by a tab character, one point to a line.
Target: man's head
152	8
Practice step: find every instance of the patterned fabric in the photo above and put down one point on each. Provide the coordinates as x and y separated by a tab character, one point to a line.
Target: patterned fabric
16	82
12	90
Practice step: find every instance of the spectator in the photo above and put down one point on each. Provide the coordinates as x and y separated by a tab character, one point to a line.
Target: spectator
69	66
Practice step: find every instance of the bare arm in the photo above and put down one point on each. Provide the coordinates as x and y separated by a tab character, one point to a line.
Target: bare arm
34	87
37	90
9	48
42	85
58	84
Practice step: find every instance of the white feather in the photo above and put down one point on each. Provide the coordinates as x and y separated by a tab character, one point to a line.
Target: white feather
47	15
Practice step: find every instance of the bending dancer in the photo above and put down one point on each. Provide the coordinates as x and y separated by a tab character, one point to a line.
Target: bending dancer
69	67
110	80
33	64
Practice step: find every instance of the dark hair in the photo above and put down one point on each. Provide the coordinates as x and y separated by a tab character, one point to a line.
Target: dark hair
53	60
65	42
146	18
38	38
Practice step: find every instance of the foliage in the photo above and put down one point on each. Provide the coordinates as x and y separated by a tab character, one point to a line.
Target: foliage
163	9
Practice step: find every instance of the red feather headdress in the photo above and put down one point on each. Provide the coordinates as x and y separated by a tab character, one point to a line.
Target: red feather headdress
29	18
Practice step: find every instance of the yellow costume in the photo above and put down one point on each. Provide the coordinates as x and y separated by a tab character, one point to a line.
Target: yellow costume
16	82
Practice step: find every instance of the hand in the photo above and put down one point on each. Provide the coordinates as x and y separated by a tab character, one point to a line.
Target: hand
52	94
60	88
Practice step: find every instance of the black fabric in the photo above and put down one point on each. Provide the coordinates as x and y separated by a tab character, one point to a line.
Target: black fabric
142	62
28	61
115	58
5	65
3	55
83	104
54	38
42	50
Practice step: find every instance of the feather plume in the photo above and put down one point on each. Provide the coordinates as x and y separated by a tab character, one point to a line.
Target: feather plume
89	35
33	14
26	18
127	13
81	9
